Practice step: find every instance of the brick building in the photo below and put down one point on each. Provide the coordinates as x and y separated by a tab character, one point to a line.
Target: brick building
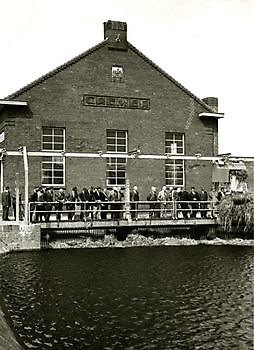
111	98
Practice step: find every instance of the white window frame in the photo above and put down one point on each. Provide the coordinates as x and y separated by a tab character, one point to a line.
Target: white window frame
172	163
114	144
53	135
173	143
116	165
53	160
172	147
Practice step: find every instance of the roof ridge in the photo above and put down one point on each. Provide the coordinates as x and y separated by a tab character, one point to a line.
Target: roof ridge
55	70
148	60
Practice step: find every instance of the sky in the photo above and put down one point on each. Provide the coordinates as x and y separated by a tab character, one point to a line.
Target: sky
206	45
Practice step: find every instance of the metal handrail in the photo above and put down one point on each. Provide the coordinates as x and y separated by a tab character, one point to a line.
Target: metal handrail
116	210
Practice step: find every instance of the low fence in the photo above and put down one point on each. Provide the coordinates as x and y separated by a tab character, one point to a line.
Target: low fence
94	211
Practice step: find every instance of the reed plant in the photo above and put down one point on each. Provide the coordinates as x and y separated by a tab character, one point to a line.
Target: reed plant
236	212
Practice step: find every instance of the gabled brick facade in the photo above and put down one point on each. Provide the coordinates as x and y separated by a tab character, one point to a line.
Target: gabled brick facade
81	97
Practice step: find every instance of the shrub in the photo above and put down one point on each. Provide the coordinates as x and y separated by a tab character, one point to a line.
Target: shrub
237	211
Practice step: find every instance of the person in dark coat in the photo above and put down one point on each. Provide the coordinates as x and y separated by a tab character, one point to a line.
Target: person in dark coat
103	198
72	198
134	197
84	206
91	202
220	194
40	205
116	206
194	197
203	206
59	203
154	206
32	206
48	199
6	202
184	198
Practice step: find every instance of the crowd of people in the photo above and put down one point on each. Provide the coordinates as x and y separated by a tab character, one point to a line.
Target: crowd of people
97	203
92	202
179	203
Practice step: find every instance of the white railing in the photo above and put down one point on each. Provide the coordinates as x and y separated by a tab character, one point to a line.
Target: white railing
141	210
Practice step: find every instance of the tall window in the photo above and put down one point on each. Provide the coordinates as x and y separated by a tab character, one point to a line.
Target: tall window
174	168
116	167
53	168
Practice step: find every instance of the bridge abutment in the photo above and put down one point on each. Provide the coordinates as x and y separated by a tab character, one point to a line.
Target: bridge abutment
18	236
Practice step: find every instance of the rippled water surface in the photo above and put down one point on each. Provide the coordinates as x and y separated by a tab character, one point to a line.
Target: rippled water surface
188	297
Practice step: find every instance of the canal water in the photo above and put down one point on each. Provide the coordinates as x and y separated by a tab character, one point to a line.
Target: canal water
160	297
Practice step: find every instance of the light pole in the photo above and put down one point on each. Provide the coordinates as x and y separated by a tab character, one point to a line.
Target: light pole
23	150
131	155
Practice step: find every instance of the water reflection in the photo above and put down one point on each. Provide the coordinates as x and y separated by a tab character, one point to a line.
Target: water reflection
189	297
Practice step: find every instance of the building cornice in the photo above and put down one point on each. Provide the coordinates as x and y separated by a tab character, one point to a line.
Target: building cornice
13	103
212	115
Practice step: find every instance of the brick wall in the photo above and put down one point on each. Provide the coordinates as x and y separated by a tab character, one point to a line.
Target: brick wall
57	101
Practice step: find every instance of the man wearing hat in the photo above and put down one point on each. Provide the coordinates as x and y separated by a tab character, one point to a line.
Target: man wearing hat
6	203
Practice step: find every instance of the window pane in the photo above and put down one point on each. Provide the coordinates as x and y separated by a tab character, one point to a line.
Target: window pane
59	131
57	160
47	139
121	141
179	137
46	173
179	161
121	149
58	166
111	133
111	160
111	173
169	174
111	181
58	146
58	181
47	159
121	174
47	131
47	166
111	148
46	180
121	182
121	134
58	173
58	139
121	160
47	146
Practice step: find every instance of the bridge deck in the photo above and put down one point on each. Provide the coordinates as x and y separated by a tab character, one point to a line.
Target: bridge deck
111	224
